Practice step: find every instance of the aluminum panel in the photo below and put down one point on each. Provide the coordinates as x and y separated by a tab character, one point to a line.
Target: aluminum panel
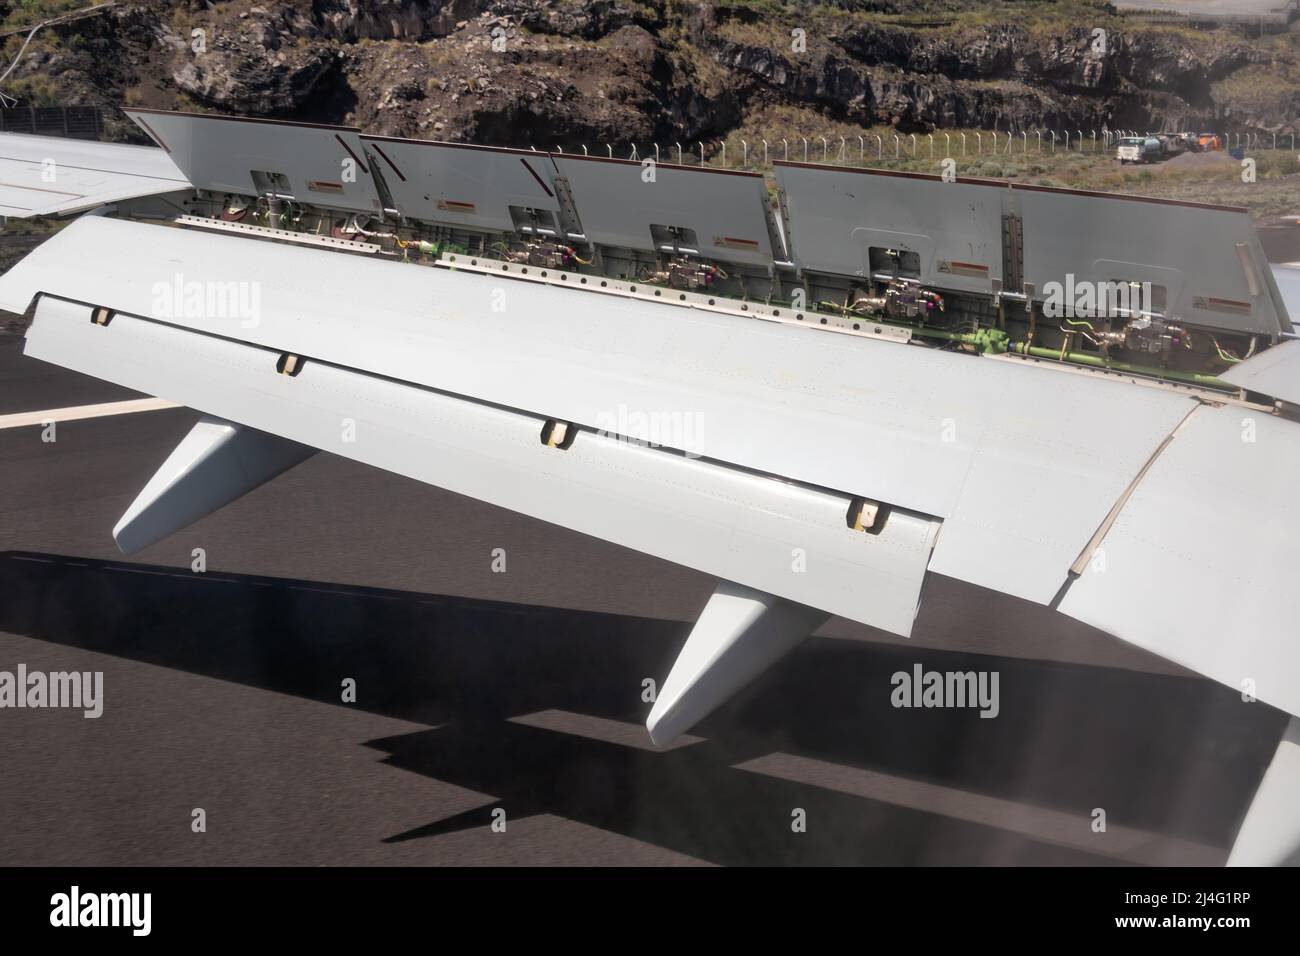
1191	250
835	216
727	211
472	186
47	176
1199	566
1026	461
1274	372
321	164
1287	277
733	524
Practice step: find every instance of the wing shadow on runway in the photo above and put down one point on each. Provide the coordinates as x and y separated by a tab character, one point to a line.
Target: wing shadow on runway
1174	761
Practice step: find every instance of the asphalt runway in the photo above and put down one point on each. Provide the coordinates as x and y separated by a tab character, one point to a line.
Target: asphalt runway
521	692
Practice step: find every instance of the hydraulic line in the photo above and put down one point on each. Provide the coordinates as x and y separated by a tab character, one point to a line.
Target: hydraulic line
995	342
1096	361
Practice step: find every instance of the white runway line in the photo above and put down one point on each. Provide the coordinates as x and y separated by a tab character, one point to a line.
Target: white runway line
78	412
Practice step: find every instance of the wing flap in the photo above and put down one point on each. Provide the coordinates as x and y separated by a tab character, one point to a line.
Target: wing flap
1023	463
1198	566
763	532
1275	372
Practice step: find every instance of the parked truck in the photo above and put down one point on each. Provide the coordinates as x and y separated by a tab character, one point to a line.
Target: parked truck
1140	149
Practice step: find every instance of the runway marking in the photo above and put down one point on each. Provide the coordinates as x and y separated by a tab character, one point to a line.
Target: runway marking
1037	823
75	413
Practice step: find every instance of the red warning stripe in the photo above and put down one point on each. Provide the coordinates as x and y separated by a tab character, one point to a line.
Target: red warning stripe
355	157
733	241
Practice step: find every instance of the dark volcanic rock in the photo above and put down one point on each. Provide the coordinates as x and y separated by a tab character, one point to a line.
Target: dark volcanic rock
351	20
571	72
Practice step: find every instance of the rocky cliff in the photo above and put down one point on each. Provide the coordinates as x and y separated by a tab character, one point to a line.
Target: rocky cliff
622	71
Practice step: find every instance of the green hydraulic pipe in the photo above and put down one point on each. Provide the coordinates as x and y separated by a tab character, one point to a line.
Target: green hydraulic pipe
1083	358
996	341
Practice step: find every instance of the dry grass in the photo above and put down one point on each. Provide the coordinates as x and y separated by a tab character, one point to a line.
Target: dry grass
1214	178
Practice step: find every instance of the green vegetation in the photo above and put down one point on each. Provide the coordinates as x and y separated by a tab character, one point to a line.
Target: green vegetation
34	90
31	12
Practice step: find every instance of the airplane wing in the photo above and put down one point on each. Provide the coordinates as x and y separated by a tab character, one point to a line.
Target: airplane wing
816	461
1287	276
991	472
45	176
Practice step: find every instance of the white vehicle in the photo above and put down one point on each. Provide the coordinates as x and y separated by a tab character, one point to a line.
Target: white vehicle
1139	149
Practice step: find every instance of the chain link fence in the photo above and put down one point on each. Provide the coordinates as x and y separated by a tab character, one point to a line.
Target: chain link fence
858	149
75	122
90	122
